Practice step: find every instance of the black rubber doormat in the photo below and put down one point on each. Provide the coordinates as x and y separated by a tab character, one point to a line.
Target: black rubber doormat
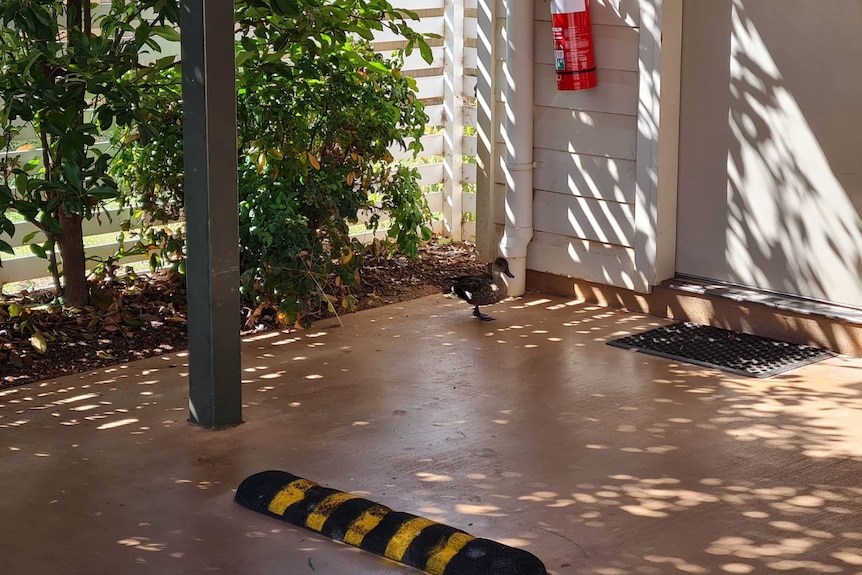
730	351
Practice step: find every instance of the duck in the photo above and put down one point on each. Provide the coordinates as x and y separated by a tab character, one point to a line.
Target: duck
482	289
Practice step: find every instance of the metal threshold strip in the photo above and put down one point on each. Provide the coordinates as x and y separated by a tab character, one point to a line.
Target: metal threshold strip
777	300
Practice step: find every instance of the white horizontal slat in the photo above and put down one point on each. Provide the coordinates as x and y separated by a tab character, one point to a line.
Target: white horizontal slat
431	174
435	114
105	223
430	87
369	236
616	92
593	133
588	176
30	267
607	12
568	257
584	218
435	201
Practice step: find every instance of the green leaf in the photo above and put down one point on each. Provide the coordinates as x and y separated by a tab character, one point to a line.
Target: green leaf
244	57
377	66
14	310
39	251
72	173
287	7
21	183
425	51
168	33
104	192
165	62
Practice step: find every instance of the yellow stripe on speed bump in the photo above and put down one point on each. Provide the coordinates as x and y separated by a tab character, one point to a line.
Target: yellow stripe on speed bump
324	509
404	537
292	492
439	558
365	523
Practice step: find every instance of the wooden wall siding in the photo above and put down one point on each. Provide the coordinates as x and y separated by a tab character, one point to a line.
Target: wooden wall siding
574	258
430	79
594	177
604	12
585	150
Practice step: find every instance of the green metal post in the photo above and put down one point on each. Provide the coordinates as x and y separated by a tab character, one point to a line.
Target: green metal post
209	106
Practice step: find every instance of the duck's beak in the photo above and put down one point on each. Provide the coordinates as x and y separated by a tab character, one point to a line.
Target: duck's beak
508	273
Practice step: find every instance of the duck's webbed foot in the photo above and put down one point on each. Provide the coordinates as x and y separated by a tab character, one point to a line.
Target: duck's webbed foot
479	315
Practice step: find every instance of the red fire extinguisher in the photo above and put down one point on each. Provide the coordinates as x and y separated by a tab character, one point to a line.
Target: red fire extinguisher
574	58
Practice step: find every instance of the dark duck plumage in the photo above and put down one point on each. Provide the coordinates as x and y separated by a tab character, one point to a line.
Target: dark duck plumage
483	289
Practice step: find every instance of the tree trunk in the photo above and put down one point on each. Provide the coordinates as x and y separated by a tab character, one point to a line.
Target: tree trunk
76	292
71	239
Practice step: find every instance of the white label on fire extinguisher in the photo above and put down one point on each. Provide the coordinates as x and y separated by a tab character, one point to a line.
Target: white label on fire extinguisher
568	6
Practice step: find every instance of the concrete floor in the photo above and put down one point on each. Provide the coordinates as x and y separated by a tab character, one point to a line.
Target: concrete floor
528	430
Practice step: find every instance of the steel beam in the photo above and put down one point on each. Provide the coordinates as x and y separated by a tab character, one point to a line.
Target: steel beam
209	108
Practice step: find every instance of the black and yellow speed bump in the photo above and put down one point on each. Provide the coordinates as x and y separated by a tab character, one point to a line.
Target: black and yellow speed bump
415	541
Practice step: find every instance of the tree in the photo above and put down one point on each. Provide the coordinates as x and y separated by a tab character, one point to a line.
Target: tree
69	75
317	113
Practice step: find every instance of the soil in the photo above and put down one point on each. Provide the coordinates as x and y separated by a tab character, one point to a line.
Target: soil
144	316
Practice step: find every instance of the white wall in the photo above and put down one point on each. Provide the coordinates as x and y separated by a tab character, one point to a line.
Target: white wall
585	151
770	181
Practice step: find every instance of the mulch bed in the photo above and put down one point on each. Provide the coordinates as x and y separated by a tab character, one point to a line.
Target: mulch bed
130	320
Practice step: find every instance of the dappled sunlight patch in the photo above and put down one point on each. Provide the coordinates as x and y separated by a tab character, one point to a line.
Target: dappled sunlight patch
142	544
539	496
429	477
449	423
737	568
514	542
850	556
809	566
261	336
678	563
479	509
118	423
87	407
286	341
795	527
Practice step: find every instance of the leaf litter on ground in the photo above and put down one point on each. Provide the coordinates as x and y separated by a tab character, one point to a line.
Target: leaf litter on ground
144	317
